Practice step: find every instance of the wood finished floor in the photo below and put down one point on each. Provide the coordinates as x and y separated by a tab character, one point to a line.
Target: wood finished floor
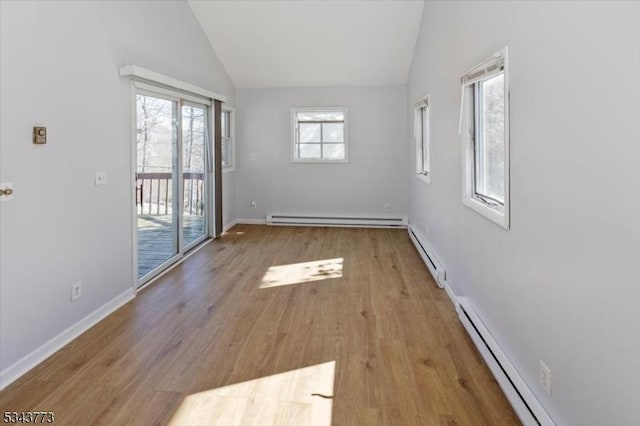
382	338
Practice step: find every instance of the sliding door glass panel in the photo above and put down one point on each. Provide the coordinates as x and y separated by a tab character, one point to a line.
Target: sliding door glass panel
156	182
194	200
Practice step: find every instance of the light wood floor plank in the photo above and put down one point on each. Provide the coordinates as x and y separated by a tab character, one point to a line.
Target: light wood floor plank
377	343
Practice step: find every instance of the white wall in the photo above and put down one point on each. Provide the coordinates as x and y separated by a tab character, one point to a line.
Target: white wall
563	285
59	68
376	173
228	198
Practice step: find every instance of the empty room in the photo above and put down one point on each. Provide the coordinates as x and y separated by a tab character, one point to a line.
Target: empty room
305	212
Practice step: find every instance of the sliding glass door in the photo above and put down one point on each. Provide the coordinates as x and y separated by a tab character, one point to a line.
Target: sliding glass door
194	159
171	207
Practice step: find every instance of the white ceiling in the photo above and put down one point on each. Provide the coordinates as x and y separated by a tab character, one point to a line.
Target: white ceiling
312	43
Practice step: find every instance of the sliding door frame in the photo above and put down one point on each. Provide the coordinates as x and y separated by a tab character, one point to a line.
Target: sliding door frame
217	167
206	184
180	99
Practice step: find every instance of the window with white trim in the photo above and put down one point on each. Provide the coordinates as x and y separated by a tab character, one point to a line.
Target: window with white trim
484	124
228	148
319	135
421	132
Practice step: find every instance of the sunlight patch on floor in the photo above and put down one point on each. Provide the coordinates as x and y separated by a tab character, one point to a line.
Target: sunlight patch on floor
298	273
281	399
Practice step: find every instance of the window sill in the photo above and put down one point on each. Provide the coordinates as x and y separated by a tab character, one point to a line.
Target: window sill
424	177
494	214
320	161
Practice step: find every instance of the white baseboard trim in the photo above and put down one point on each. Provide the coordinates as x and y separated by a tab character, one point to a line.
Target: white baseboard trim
229	225
29	361
452	295
251	221
515	388
422	247
429	257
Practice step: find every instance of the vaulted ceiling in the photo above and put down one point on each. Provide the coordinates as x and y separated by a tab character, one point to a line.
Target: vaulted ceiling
312	43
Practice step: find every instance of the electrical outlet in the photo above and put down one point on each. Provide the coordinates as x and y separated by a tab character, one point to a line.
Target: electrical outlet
387	207
253	156
76	291
545	378
253	204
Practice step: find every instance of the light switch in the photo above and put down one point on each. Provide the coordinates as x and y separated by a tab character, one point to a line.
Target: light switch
6	191
101	178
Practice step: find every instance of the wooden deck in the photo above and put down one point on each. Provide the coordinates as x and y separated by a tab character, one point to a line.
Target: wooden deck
156	240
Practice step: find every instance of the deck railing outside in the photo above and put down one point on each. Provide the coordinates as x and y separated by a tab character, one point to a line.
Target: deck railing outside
154	193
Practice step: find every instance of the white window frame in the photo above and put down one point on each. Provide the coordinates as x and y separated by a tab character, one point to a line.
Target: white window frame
232	133
496	212
423	139
294	122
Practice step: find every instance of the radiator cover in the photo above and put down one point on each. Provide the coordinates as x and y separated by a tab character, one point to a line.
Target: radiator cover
331	220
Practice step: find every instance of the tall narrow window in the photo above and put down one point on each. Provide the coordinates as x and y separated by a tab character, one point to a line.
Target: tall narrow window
489	139
228	148
319	134
421	131
485	134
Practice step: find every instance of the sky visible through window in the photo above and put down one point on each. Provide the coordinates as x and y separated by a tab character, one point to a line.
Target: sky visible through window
490	150
320	135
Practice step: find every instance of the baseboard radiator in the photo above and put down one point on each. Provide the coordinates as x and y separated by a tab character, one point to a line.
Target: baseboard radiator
430	259
523	401
326	220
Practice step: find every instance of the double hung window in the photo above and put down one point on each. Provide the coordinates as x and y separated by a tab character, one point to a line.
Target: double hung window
485	135
421	132
228	148
319	135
